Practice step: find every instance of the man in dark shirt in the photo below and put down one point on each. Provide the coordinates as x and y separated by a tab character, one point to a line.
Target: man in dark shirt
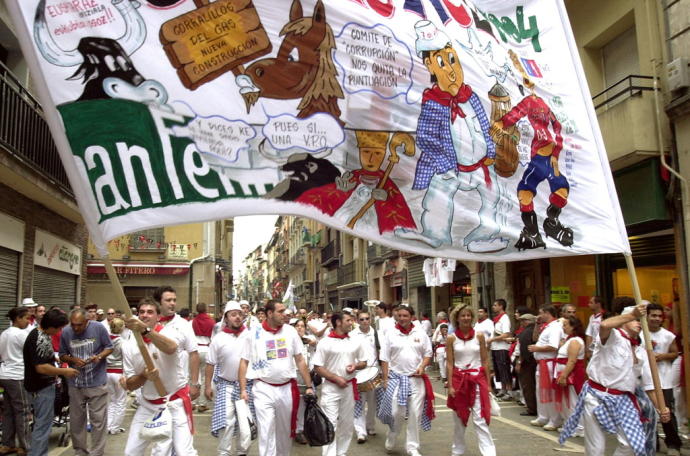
84	345
40	374
527	365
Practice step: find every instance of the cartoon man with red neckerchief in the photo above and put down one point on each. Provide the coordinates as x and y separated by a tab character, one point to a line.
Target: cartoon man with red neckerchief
368	196
543	165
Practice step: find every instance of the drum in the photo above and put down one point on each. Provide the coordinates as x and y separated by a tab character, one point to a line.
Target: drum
368	379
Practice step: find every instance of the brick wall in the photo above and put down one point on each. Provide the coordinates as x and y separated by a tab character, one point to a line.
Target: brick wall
37	216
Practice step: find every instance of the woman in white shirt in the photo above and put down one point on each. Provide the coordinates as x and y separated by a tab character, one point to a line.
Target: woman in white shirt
15	419
467	363
570	368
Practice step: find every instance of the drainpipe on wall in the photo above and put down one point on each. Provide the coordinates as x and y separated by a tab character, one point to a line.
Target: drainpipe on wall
685	202
204	257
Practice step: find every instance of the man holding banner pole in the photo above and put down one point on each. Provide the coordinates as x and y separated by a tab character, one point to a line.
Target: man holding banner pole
162	344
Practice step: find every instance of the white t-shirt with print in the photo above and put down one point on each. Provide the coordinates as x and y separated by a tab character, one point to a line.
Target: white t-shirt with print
404	353
280	350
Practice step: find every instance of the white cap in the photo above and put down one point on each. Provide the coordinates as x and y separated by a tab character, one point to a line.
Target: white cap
29	302
244	302
347	310
232	305
429	37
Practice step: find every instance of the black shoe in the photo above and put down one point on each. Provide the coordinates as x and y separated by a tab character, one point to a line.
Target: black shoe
527	414
301	439
554	229
529	241
361	440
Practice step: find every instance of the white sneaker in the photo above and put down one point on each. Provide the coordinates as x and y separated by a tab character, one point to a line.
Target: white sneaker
537	423
414	453
548	427
390	441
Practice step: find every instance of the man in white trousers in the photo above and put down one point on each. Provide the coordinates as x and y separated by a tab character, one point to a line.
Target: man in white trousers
162	344
225	353
619	365
336	359
405	353
365	421
545	352
272	359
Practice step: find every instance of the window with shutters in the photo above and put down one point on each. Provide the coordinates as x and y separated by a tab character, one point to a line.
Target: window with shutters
9	273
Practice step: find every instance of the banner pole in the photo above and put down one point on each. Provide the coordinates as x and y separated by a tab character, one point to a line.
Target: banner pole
647	336
122	304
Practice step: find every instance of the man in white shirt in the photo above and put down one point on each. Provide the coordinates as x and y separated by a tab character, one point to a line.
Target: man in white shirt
317	327
225	352
405	353
336	359
484	324
272	360
500	345
163	344
109	315
596	305
384	319
369	337
545	352
167	300
31	306
619	365
665	351
250	321
426	324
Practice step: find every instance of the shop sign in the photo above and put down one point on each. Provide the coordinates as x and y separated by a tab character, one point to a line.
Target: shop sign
178	251
397	280
54	253
140	269
560	295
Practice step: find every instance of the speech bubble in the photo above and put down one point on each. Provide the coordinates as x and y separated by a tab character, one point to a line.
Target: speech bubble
317	132
218	136
373	59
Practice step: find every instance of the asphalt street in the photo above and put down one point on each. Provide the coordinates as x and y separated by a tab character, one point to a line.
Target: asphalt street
512	434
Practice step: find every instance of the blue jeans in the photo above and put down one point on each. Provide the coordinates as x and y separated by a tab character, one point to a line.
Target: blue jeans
44	410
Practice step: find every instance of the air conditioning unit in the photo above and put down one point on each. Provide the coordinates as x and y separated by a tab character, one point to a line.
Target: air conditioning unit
678	74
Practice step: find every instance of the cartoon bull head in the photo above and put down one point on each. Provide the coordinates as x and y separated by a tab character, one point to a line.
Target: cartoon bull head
104	63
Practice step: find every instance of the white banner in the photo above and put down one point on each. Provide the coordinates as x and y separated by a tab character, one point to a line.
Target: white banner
452	129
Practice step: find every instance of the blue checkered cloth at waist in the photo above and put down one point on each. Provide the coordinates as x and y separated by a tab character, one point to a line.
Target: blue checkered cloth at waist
404	387
618	412
218	418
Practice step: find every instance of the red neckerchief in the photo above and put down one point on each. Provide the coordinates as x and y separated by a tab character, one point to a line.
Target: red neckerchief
269	329
465	337
234	332
543	326
335	335
156	329
403	330
443	320
633	342
164	319
114	336
497	317
425	319
519	331
600	314
444	98
482	320
32	319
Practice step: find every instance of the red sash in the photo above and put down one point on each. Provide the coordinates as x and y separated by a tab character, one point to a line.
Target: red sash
575	378
186	402
294	389
429	397
355	391
616	392
114	371
465	382
547	385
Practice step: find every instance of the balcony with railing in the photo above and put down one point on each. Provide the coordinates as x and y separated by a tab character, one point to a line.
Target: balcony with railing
329	254
24	132
626	115
377	254
297	259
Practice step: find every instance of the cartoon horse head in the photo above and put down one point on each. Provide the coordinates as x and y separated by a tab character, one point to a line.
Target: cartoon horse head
303	68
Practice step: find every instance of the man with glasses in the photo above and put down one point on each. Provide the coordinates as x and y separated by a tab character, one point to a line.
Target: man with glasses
365	407
109	315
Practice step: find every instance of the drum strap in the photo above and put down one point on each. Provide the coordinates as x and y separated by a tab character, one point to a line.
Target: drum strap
377	344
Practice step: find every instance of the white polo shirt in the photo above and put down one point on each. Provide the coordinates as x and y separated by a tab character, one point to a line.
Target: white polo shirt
185	334
336	354
404	352
661	341
550	337
613	364
225	352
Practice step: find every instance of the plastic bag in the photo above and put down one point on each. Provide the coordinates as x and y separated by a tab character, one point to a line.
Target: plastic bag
318	429
246	424
495	408
158	427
